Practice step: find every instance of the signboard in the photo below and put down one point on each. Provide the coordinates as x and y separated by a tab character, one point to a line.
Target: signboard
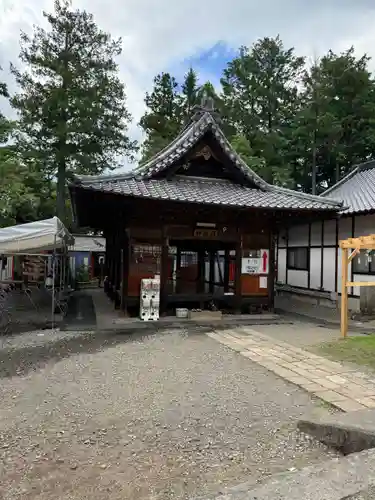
265	257
205	233
250	265
263	282
256	265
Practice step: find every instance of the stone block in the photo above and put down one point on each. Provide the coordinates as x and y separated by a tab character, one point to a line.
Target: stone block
349	432
345	478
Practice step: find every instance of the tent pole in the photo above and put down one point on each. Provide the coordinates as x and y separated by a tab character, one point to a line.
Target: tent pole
53	282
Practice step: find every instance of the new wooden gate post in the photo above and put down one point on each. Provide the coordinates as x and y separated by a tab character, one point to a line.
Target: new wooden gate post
344	292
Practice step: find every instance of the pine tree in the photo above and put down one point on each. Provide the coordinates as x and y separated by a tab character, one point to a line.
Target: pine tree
190	93
335	126
260	96
163	119
72	104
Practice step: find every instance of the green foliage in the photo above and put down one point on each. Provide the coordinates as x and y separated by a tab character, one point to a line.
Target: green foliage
82	274
169	108
162	120
72	105
242	146
285	119
17	200
336	119
190	93
260	97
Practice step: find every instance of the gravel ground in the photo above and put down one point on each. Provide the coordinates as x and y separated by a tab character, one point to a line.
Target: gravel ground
168	415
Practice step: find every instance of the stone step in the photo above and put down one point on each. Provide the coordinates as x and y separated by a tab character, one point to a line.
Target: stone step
348	432
345	478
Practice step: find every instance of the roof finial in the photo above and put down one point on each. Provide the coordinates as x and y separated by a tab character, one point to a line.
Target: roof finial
207	102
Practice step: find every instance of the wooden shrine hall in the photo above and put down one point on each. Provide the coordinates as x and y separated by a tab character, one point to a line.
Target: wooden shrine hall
197	216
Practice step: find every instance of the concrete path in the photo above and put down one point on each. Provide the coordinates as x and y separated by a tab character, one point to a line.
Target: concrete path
342	387
322	315
81	313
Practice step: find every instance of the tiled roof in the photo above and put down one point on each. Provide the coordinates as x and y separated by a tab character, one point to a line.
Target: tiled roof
206	191
145	182
356	190
187	139
83	243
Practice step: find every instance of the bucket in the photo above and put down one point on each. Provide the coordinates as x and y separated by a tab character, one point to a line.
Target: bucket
182	312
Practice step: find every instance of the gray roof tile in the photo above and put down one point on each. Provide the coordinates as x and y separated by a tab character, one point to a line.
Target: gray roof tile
356	190
144	182
213	192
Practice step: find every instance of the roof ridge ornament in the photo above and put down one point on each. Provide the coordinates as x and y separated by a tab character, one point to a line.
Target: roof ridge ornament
207	102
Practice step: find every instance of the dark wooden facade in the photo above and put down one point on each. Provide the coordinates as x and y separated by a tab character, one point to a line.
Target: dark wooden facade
191	215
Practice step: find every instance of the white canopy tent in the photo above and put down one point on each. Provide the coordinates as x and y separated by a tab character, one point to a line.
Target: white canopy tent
49	234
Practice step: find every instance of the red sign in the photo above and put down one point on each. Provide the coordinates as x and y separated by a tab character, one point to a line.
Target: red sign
264	260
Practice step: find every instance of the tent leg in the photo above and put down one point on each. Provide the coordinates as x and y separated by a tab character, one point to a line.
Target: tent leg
53	283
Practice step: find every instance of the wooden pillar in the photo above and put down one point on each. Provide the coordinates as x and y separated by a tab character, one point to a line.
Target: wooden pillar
164	271
111	262
119	246
226	270
201	272
178	270
237	280
212	271
105	267
344	292
126	254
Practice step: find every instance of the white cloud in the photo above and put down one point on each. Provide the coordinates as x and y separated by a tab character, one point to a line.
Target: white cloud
159	34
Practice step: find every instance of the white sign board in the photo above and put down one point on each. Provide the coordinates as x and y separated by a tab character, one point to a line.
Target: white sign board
263	281
250	265
256	265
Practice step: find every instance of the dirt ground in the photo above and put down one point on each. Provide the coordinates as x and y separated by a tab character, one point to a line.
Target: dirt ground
169	415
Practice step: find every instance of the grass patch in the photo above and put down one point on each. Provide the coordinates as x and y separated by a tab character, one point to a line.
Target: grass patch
359	350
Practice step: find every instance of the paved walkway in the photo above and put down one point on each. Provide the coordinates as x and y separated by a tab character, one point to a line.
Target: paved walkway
344	388
319	314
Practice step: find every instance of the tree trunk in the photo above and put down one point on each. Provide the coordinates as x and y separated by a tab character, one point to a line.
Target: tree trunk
60	195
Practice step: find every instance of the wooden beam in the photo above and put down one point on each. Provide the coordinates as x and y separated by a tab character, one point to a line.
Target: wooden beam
344	292
353	254
363	242
360	283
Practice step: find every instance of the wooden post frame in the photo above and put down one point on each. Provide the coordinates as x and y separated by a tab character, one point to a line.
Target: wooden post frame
356	245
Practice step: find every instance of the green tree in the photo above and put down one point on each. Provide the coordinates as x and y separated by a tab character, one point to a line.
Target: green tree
260	98
162	119
72	105
242	146
335	127
190	93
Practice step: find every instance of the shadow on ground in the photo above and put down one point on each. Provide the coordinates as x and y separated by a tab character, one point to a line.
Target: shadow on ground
19	361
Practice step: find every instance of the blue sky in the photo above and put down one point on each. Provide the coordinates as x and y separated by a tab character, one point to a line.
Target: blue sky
209	63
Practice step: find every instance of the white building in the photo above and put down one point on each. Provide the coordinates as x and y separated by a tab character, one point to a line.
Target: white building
308	257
